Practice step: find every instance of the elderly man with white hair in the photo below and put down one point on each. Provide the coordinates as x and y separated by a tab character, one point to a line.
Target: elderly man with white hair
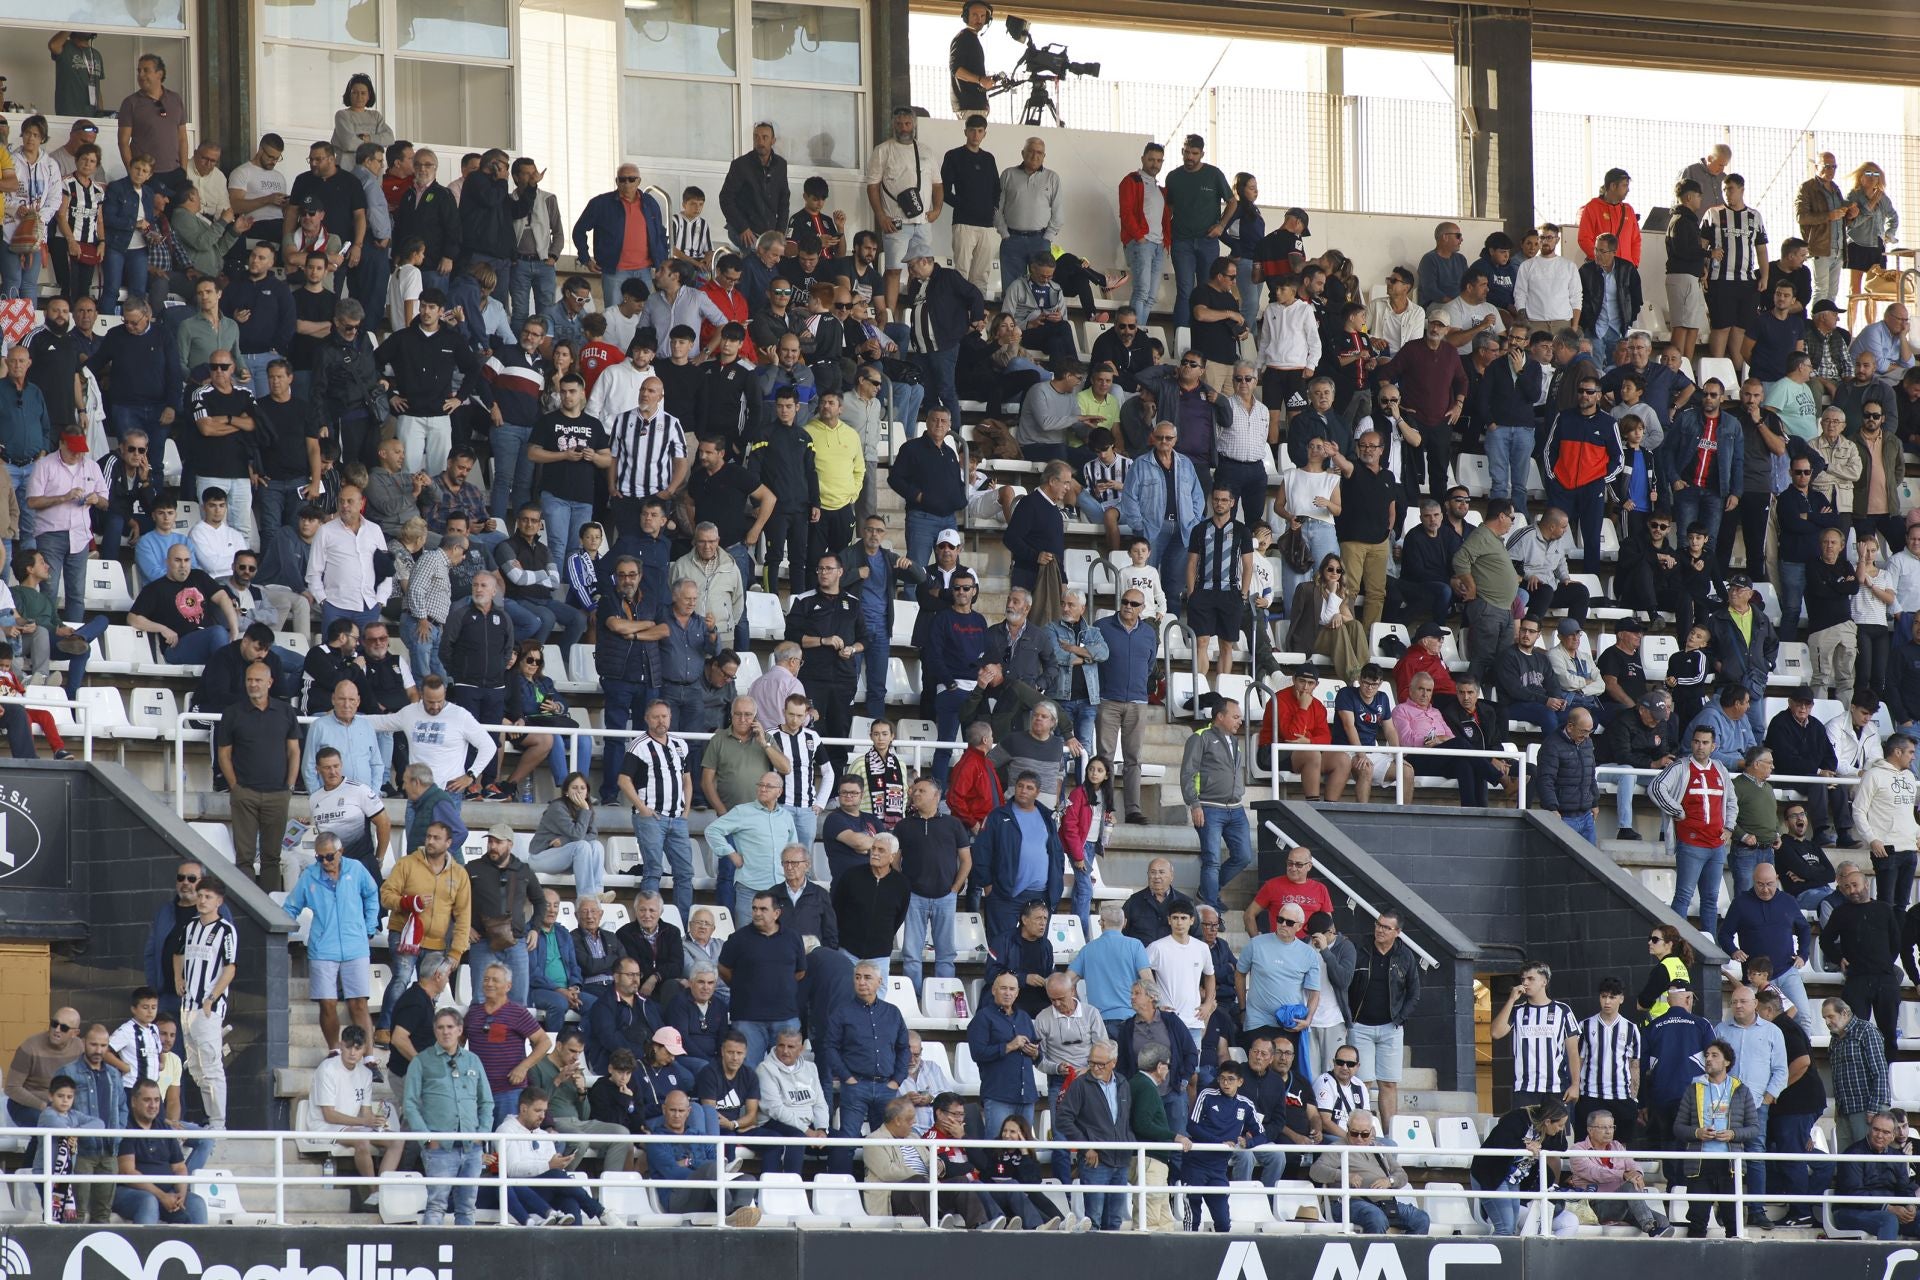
1068	1029
865	1053
1111	963
1372	1175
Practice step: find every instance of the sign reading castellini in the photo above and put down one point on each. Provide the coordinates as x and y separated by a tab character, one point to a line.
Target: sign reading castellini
33	832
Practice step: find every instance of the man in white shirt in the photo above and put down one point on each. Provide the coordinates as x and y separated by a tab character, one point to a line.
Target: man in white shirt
348	808
214	541
341	577
1546	289
340	1100
259	188
439	735
1184	966
1340	1092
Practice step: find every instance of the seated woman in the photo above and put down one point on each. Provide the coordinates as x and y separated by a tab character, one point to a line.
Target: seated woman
532	703
1013	1169
1323	621
1528	1132
567	839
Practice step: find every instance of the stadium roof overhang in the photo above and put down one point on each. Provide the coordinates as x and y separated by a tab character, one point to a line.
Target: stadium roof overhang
1875	41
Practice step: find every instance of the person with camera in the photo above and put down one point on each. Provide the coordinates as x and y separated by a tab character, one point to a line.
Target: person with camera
905	192
967	61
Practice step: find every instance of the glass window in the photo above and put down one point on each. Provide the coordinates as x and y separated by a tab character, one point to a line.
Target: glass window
288	73
327	21
822	127
694	117
474	28
452	104
809	43
695	37
94	15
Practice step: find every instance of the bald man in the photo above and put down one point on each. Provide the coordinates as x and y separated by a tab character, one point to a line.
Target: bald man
37	1061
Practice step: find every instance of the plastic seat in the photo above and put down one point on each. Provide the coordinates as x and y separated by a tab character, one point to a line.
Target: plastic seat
1290	1196
223	1200
969	935
119	651
838	1202
906	613
1183	694
1067	935
901	996
1903	1082
1453	1214
966	1072
107	587
1455	1133
1412	1135
1657	651
765	621
903	681
750	669
313	1144
1251	1206
939	998
783	1196
107	714
1381	630
403	1198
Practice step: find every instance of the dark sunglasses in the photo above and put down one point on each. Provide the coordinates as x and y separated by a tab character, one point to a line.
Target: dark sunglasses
58	1025
186	879
135	448
219	366
1192	364
624	181
1348	1062
1131	604
533	662
1126	328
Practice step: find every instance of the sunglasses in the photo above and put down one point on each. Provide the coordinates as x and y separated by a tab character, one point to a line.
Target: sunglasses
58	1025
1873	417
1356	1133
134	449
1131	604
1241	377
1336	573
219	366
533	662
186	879
1349	1062
1126	328
1192	364
625	181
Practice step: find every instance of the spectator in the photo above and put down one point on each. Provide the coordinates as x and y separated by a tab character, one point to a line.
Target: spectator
1200	203
1278	978
1099	1107
506	1037
257	744
1568	782
1004	1045
792	1099
447	1092
507	902
1368	1168
1021	858
164	937
1897	1219
761	966
1529	1132
871	903
1884	806
1602	1174
553	973
1862	935
340	1101
1125	678
36	1061
864	1050
1765	922
153	1158
1858	1062
1719	1113
750	838
1482	563
345	903
185	609
1213	784
413	1012
936	859
1547	1057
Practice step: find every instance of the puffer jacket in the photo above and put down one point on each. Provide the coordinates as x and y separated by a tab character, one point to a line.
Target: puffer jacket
1565	781
449	921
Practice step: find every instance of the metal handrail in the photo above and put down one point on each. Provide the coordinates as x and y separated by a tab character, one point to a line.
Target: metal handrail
1354	899
1168	627
1515	754
1538	1197
83	714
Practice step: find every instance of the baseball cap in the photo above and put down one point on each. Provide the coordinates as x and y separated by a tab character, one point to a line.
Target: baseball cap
1680	984
501	831
1825	305
1306	670
1301	216
1739	580
670	1037
1430	629
1568	627
1802	695
947	538
74	442
1625	625
1655	700
309	203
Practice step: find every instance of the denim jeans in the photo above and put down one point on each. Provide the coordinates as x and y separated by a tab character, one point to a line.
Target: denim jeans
533	278
1250	292
1693	504
761	1036
587	859
922	528
1793	593
141	1209
1627	784
1509	451
564	520
1191	259
21	471
459	1160
626	705
1501	1215
239	502
480	955
68	571
123	267
1582	824
610	282
1698	867
422	655
20	274
405	969
1743	861
1015	253
922	914
862	1103
994	1113
512	472
255	363
1108	1212
1373	1218
369	284
664	847
1878	1223
197	646
279	503
1077	718
1144	260
1230	824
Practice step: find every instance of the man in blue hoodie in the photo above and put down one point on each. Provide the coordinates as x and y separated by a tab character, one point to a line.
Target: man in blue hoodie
1018	856
346	915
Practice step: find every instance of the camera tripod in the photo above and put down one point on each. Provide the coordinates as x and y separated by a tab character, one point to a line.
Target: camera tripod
1039	105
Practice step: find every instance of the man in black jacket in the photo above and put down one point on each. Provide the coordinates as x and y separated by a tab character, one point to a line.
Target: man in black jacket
927	475
755	196
1864	936
949	308
476	648
429	211
1802	749
832	634
422	358
345	377
1644	740
1126	347
486	221
780	456
139	373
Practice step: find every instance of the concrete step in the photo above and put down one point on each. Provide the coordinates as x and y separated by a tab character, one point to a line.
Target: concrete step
1442	1102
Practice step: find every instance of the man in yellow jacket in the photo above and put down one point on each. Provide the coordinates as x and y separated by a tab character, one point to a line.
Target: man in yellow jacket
841	463
430	907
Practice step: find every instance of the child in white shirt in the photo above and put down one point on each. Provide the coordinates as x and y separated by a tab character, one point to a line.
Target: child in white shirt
1144	577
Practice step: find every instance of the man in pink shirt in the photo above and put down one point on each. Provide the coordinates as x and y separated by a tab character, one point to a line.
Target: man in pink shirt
1602	1174
62	491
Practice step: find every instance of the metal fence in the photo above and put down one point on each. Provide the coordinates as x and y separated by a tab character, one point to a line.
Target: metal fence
1402	155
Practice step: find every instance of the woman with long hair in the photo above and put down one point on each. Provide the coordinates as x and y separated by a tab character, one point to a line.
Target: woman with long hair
1013	1169
568	840
1874	225
1323	621
564	360
1529	1133
1672	960
1242	237
531	703
1084	826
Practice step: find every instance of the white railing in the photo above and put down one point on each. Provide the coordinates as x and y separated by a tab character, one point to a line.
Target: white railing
1286	842
83	714
1401	787
918	752
1537	1198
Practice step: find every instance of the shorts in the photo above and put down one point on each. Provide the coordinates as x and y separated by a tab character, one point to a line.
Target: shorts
896	243
984	507
1729	303
1861	257
1383	762
339	979
1379	1049
1216	613
1686	303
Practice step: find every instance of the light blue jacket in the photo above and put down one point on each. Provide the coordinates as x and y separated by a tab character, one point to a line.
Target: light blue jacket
346	911
1143	502
1061	667
1731	737
359	748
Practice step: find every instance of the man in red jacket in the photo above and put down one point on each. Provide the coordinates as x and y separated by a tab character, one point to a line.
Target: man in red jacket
973	789
1424	659
1146	227
1582	453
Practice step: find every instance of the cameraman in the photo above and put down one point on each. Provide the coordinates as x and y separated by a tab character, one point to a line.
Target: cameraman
967	61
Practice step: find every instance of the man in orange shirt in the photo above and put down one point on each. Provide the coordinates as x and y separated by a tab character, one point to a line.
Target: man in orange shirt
1609	214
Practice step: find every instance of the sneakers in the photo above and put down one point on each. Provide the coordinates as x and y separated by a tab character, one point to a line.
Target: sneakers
63	754
993	1224
1661	1233
747	1215
1117	281
951	1222
1012	1224
1052	1224
378	1076
611	1219
495	795
1626	833
1078	1225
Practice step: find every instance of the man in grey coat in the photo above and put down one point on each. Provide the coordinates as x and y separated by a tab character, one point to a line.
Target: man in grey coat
1566	780
1098	1107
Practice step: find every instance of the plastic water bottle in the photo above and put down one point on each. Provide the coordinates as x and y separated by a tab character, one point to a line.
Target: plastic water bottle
327	1167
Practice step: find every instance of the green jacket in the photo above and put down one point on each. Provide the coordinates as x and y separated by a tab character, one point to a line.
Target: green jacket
206	242
566	1103
447	1094
1150	1114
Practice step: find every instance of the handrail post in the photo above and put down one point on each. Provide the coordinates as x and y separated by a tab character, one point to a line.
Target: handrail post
1346	1189
1739	1195
1140	1201
279	1182
933	1187
720	1171
500	1174
46	1180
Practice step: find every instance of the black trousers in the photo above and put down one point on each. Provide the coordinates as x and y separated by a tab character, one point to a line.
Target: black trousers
833	699
789	534
832	532
1876	996
1752	527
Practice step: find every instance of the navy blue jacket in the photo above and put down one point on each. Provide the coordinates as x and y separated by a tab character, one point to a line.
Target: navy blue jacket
1670	1050
865	1040
1801	519
139	370
1036	526
930	480
1127	674
956	645
612	1025
123	208
1773	929
1005	1077
1565	780
606	222
1742	662
269	326
996	851
1186	1057
700	1037
951	307
618	657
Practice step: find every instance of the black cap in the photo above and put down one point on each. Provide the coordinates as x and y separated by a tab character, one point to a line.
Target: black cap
1307	669
1430	629
1825	305
308	203
1739	580
1625	625
1680	984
